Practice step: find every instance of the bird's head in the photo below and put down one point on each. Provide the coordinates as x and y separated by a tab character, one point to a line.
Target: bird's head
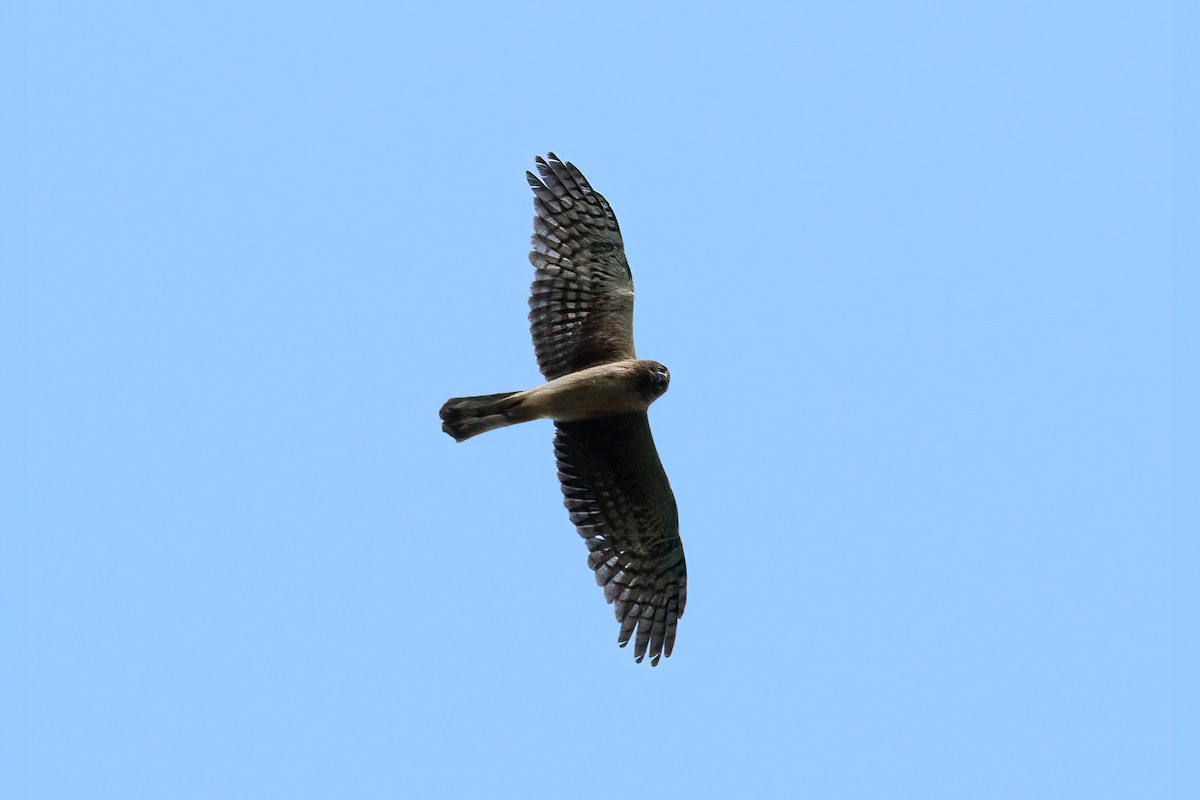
657	378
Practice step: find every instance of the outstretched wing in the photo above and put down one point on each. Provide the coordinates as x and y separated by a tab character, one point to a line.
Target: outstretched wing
621	502
581	303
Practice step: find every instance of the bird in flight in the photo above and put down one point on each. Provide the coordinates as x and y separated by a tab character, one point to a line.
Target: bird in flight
597	391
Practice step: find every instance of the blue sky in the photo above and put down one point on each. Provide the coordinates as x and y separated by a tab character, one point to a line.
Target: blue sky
916	270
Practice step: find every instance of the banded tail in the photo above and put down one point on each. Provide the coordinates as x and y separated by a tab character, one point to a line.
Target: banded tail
464	417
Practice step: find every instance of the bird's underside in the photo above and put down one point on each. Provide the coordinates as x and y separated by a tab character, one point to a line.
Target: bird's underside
597	392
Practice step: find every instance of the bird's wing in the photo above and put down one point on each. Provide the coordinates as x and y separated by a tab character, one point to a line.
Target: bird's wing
621	502
581	301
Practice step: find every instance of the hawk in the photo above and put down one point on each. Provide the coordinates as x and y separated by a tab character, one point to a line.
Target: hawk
597	392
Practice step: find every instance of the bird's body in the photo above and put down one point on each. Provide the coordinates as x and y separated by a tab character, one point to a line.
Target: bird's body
597	392
622	387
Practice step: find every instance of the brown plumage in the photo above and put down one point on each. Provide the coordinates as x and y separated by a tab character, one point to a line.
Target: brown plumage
597	392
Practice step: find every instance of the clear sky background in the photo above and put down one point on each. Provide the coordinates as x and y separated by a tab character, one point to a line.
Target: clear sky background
911	266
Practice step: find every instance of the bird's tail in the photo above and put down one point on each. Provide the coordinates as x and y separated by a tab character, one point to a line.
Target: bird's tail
464	417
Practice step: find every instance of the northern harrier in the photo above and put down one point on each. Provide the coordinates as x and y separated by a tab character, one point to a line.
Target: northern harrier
597	392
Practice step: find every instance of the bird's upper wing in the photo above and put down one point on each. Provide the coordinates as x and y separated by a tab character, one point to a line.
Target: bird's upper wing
581	303
621	502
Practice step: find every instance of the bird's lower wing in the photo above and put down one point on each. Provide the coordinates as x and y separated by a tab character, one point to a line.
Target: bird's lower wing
622	505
